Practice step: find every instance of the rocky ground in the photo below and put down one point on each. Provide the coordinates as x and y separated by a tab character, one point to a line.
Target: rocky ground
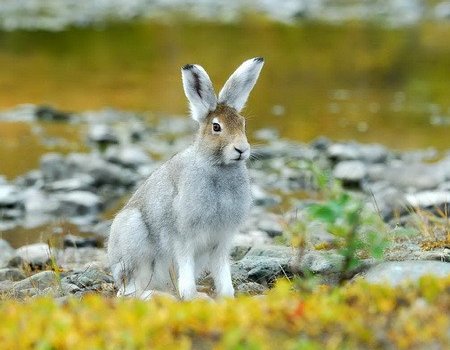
60	14
408	191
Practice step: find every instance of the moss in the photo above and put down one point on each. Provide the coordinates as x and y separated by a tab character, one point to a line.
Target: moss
358	315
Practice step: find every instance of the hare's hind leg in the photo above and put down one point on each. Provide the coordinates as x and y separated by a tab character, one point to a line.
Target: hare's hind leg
131	255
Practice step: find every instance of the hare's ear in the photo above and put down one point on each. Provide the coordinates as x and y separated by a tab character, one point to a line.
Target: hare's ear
238	86
199	91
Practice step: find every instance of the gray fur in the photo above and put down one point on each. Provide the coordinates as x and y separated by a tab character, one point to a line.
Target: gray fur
182	218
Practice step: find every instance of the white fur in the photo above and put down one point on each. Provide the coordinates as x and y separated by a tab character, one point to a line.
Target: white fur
180	222
237	88
199	91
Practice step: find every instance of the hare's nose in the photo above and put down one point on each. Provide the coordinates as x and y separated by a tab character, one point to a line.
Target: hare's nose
238	150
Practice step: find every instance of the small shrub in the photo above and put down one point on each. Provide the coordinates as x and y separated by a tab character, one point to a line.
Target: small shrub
359	232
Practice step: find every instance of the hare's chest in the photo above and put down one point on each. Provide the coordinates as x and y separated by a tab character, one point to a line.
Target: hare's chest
218	203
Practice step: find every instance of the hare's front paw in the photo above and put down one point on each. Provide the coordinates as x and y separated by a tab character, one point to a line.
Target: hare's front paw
187	288
226	292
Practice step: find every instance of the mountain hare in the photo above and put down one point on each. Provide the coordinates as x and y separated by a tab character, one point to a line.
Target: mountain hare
180	222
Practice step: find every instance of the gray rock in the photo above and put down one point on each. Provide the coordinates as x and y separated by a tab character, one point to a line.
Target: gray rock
91	279
36	255
11	274
272	251
260	269
386	200
82	182
11	202
350	172
267	134
445	186
371	153
414	177
319	262
251	288
37	202
263	198
6	253
82	258
271	225
318	234
40	281
80	242
340	152
78	203
50	114
129	156
429	199
103	172
239	251
102	134
54	167
397	272
102	229
251	238
442	10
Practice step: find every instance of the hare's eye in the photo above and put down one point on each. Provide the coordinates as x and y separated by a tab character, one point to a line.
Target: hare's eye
217	127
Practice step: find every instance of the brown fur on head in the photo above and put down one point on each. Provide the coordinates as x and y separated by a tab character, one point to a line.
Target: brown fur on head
222	129
222	136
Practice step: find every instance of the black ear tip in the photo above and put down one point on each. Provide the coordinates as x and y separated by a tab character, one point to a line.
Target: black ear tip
259	59
187	67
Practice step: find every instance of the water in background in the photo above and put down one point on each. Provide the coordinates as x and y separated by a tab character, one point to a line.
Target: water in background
353	81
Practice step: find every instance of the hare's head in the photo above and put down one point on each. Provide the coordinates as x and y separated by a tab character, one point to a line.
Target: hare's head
221	134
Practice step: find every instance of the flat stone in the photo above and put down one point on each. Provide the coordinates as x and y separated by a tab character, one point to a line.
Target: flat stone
11	274
251	288
350	172
103	172
36	255
82	182
82	258
260	269
102	134
88	279
80	242
414	177
129	156
263	198
78	203
251	238
271	225
50	114
397	272
320	262
369	153
40	281
11	202
428	199
340	152
54	167
272	251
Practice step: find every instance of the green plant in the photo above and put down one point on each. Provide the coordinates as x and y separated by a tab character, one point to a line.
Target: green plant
359	231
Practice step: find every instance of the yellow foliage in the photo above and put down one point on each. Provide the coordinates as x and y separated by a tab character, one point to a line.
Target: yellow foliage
355	316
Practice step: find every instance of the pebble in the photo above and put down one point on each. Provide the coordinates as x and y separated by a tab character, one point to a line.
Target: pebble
350	172
398	272
36	255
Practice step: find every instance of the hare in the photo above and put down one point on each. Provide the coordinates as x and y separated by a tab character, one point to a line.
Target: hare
180	222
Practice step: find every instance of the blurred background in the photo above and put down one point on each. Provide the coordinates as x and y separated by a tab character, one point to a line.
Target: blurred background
370	71
373	71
